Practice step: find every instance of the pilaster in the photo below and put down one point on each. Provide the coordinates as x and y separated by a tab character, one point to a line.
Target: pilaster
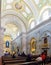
24	44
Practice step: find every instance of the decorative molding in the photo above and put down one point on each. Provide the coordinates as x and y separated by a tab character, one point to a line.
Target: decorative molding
40	25
15	16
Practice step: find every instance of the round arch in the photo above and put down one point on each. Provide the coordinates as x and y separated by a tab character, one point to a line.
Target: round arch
32	23
43	10
15	20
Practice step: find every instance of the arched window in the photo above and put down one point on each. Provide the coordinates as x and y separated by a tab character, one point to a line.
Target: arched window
27	10
45	15
32	25
18	34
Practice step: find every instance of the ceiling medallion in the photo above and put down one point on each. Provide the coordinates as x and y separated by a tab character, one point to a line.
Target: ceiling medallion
18	6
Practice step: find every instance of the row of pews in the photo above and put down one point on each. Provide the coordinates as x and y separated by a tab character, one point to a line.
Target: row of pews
19	60
7	60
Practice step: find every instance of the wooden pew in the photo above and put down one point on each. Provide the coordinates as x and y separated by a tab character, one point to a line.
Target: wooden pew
28	63
10	60
20	61
13	62
4	58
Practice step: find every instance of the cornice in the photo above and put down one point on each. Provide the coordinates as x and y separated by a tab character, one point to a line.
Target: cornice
40	25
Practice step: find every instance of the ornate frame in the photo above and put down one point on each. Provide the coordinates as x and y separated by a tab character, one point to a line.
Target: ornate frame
33	45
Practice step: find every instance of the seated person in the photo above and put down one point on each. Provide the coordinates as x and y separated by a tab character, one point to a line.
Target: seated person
23	54
6	53
42	57
19	53
28	58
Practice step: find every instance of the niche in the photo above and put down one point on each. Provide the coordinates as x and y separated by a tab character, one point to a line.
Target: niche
33	45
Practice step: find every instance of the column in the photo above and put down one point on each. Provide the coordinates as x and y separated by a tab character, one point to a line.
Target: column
24	45
1	41
38	51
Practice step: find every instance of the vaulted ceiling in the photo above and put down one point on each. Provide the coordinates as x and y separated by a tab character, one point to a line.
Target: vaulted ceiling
17	15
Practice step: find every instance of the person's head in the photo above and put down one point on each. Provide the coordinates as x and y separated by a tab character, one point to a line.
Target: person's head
6	51
42	53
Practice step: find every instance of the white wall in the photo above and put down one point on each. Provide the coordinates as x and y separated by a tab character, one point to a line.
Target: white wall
38	34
